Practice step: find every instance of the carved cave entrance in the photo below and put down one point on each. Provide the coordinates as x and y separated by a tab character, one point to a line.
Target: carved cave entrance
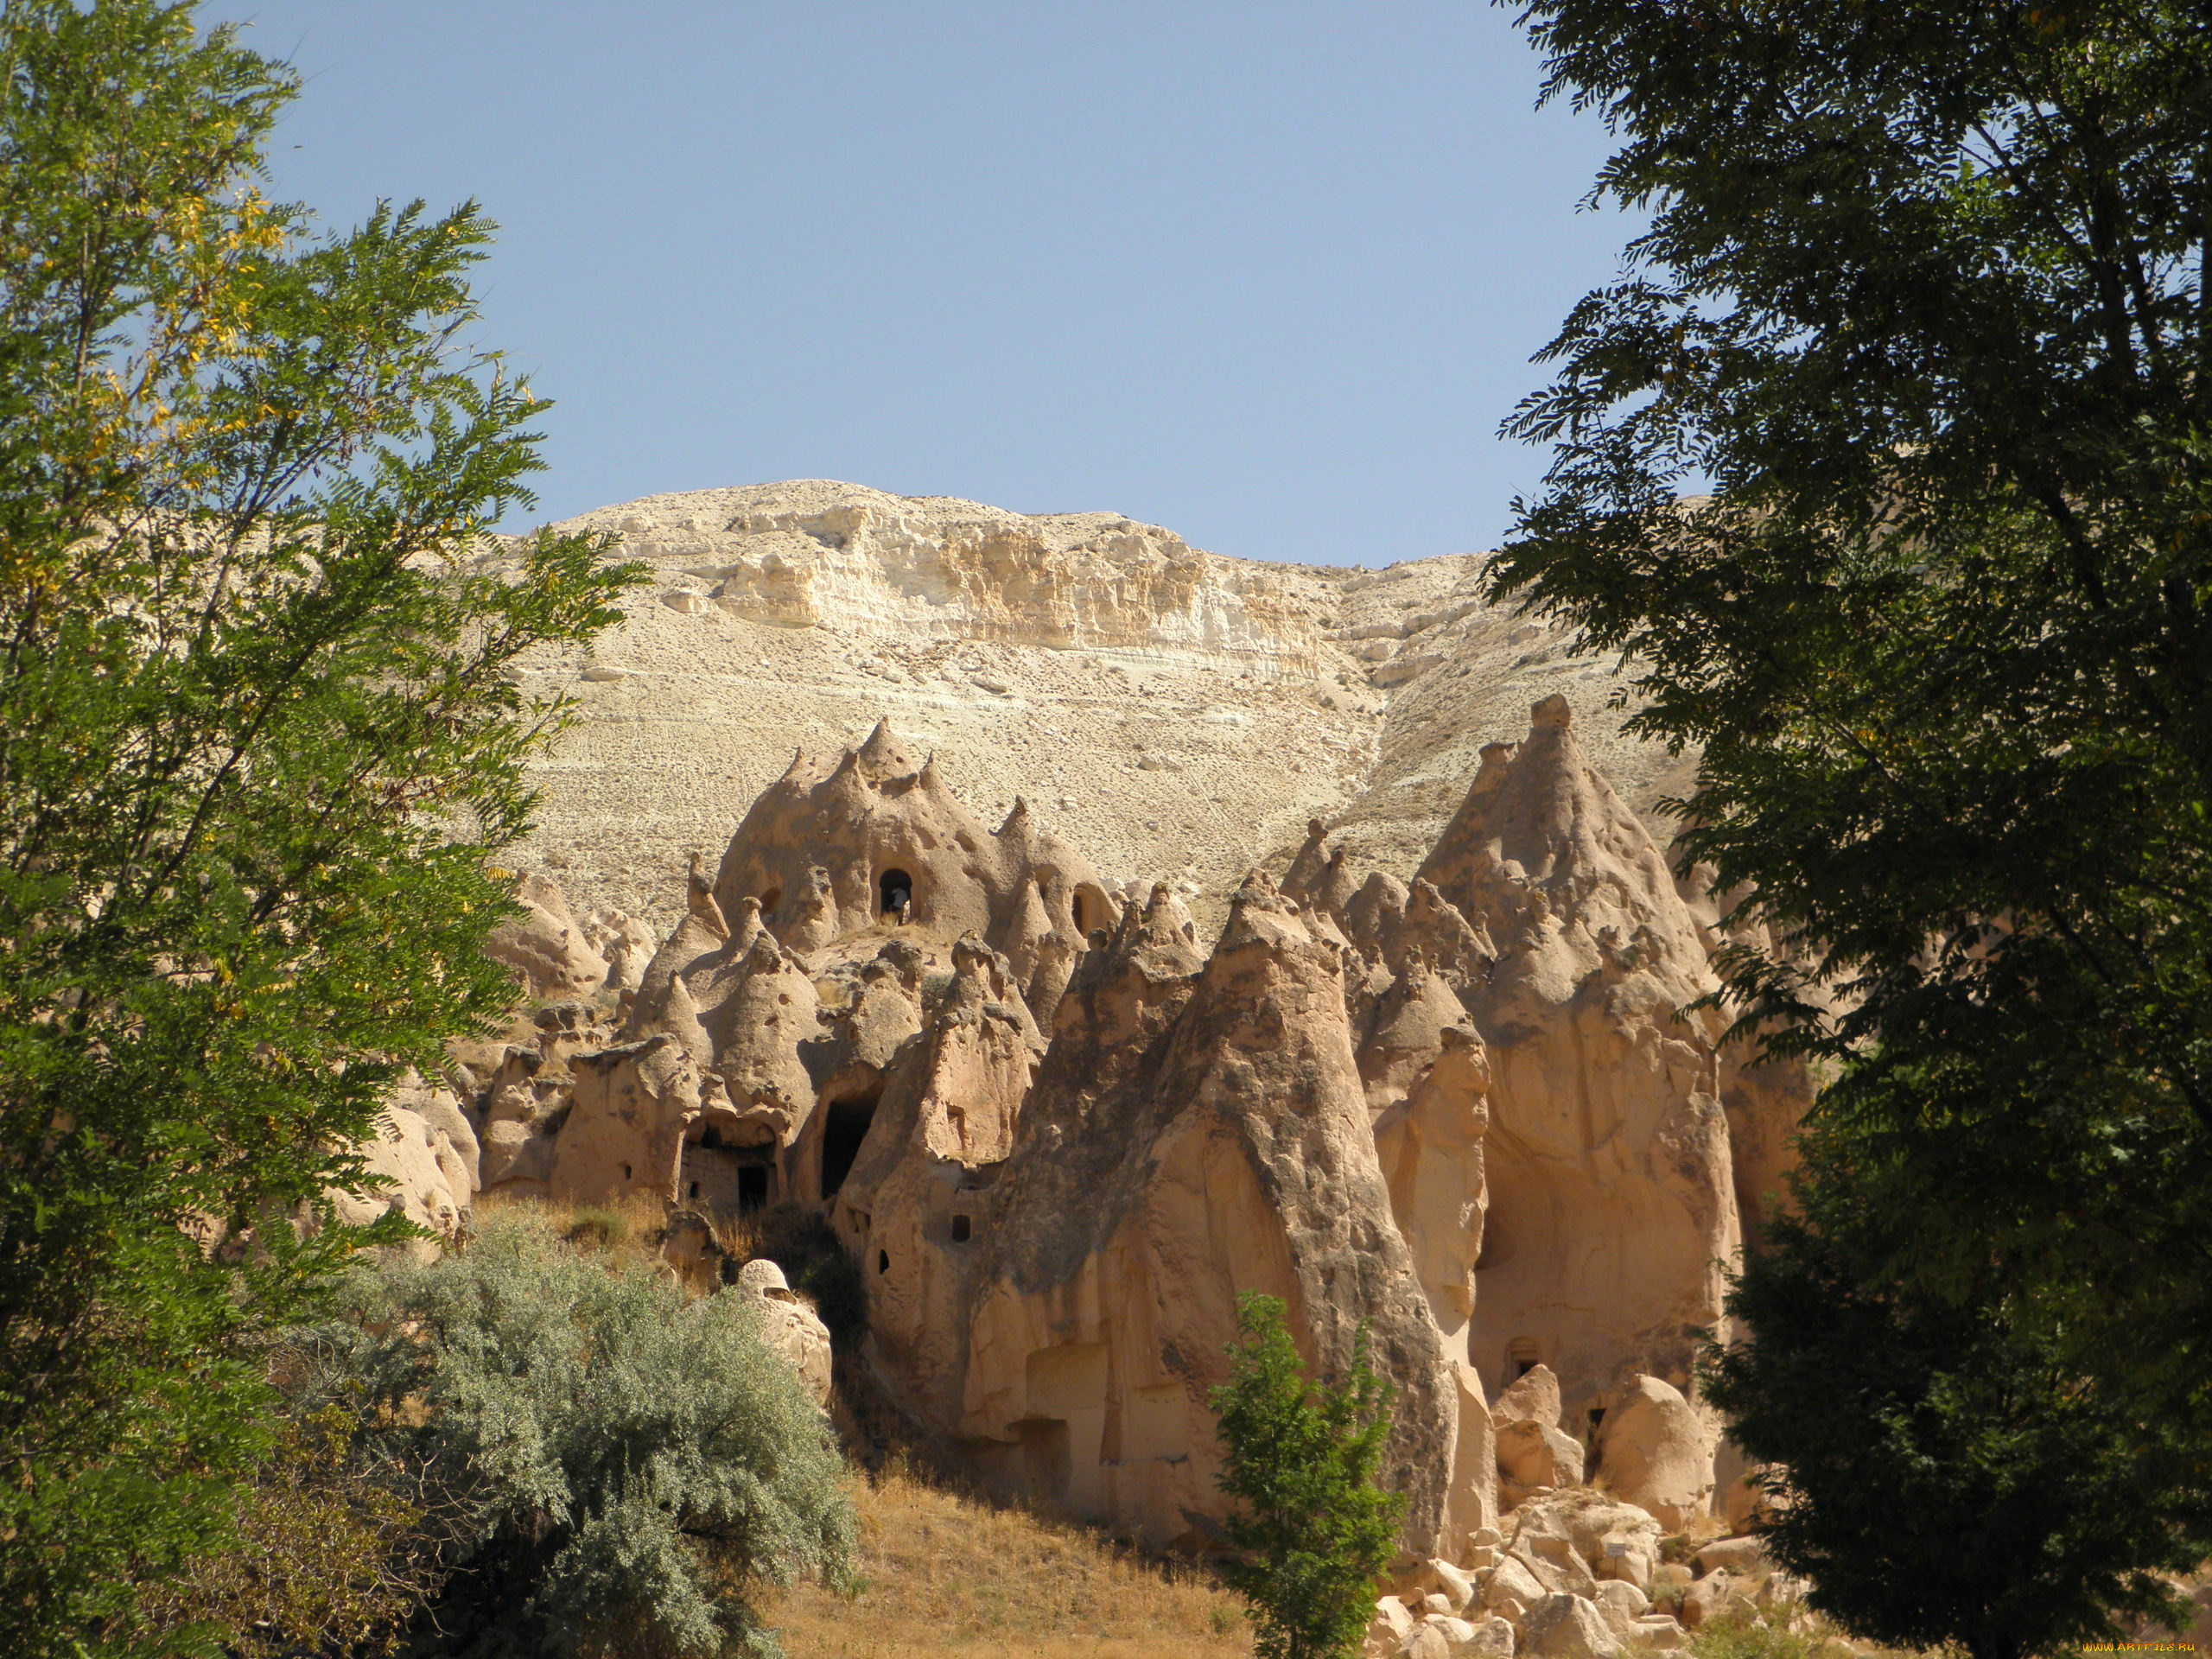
896	891
844	1126
724	1179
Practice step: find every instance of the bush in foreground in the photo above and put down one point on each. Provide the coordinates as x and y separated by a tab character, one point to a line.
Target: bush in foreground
614	1470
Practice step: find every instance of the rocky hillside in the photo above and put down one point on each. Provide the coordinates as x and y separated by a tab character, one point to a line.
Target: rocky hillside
1182	714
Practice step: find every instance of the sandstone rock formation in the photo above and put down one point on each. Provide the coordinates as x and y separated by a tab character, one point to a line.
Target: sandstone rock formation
1060	1131
789	1327
1655	1451
546	946
417	1173
831	849
1240	1161
1199	709
1612	1206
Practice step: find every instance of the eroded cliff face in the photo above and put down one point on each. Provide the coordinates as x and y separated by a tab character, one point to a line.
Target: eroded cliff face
1241	1161
1440	1080
1612	1193
1180	714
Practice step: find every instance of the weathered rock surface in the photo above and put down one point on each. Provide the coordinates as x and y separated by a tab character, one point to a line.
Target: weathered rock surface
1612	1202
545	946
413	1163
788	1326
1061	1133
1197	708
1655	1452
1565	1626
1242	1160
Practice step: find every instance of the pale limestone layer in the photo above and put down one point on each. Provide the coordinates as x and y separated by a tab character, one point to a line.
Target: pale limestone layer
1182	714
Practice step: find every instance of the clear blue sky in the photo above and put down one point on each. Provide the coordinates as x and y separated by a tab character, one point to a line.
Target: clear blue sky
1269	274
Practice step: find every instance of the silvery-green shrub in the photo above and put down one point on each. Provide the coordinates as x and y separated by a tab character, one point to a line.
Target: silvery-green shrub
615	1470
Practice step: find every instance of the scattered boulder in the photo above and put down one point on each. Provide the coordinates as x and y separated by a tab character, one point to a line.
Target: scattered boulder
1533	1397
1737	1555
1457	1587
1563	1626
1534	1456
1704	1599
1512	1589
1655	1450
1623	1604
788	1326
1392	1614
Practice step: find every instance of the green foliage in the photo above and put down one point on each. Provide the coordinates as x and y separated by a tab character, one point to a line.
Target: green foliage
614	1470
256	739
331	1555
1301	1461
1922	305
1734	1636
598	1228
1951	1476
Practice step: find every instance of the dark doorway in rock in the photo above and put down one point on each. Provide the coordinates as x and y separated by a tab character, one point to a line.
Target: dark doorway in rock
752	1188
724	1180
1521	1358
843	1128
1082	908
897	888
769	900
963	1229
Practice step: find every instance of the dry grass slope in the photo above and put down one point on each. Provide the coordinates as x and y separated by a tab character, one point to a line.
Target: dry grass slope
948	1574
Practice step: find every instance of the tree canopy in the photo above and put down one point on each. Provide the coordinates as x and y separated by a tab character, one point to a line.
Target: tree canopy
260	740
1887	467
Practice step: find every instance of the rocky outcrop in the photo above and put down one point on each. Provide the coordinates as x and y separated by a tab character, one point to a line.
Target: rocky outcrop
1227	1151
875	837
1199	709
789	1328
624	1134
927	1155
1059	1135
545	947
1613	1206
416	1172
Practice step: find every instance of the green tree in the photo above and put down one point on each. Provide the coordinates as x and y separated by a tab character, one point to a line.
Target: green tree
613	1470
1300	1460
1920	315
1952	1476
258	736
